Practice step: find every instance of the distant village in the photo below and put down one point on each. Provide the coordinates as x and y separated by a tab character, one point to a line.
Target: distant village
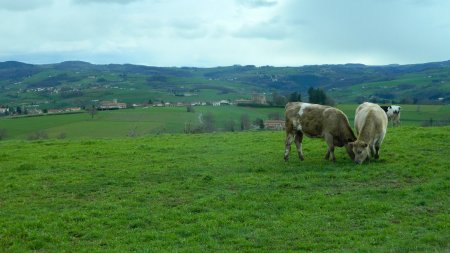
257	99
32	110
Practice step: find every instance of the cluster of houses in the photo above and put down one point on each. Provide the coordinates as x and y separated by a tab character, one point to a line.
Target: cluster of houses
115	104
68	109
4	110
111	105
256	99
51	90
35	111
274	124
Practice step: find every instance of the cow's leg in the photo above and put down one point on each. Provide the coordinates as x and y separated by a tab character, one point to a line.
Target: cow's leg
298	144
397	122
287	150
372	150
377	150
350	151
330	150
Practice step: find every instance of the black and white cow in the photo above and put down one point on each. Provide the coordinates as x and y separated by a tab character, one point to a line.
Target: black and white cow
393	113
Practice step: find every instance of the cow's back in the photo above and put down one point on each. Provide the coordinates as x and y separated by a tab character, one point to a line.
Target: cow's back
336	123
306	117
315	120
370	120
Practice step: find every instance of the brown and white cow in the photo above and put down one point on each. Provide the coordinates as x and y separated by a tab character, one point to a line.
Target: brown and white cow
320	121
370	125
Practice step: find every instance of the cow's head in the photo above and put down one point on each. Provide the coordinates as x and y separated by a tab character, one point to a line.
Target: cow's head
395	109
360	150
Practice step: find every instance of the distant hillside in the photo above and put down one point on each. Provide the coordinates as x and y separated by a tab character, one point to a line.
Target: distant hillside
76	83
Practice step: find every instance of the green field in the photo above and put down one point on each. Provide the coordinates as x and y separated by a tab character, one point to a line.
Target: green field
224	192
156	120
412	115
121	123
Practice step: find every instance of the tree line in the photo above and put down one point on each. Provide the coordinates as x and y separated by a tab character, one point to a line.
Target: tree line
315	96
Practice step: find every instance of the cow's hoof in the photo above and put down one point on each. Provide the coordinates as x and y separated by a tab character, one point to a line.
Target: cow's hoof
301	157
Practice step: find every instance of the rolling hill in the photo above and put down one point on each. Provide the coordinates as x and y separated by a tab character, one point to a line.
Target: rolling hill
76	83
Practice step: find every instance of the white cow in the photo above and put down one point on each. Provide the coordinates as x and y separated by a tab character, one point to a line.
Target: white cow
370	125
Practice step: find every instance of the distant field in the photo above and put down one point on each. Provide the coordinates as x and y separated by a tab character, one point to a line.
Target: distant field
421	85
222	192
122	123
156	120
414	115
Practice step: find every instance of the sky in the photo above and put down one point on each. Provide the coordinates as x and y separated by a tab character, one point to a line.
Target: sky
209	33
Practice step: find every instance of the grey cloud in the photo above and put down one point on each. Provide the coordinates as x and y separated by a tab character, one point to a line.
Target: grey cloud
23	5
257	3
270	30
387	31
187	28
212	32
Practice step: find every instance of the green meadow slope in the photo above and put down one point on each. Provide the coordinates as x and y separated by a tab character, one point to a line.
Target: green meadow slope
224	192
156	120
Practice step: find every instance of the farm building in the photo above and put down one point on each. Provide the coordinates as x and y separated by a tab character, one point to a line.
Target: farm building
4	109
274	124
259	98
72	109
112	105
256	99
221	102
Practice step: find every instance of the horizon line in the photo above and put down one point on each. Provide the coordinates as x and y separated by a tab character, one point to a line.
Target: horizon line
219	66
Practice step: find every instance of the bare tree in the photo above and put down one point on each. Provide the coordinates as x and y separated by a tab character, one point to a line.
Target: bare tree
190	108
274	115
187	127
2	134
92	111
259	122
245	122
230	125
208	122
38	135
133	132
61	135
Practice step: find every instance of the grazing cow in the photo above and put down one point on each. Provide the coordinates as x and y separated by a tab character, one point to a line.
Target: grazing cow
393	113
370	125
319	121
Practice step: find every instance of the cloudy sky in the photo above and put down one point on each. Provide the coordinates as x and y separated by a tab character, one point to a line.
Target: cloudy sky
207	33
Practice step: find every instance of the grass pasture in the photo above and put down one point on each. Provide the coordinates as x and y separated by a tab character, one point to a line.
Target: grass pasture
122	123
224	192
156	120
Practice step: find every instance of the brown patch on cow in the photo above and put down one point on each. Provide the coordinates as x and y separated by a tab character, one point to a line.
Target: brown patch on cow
319	121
